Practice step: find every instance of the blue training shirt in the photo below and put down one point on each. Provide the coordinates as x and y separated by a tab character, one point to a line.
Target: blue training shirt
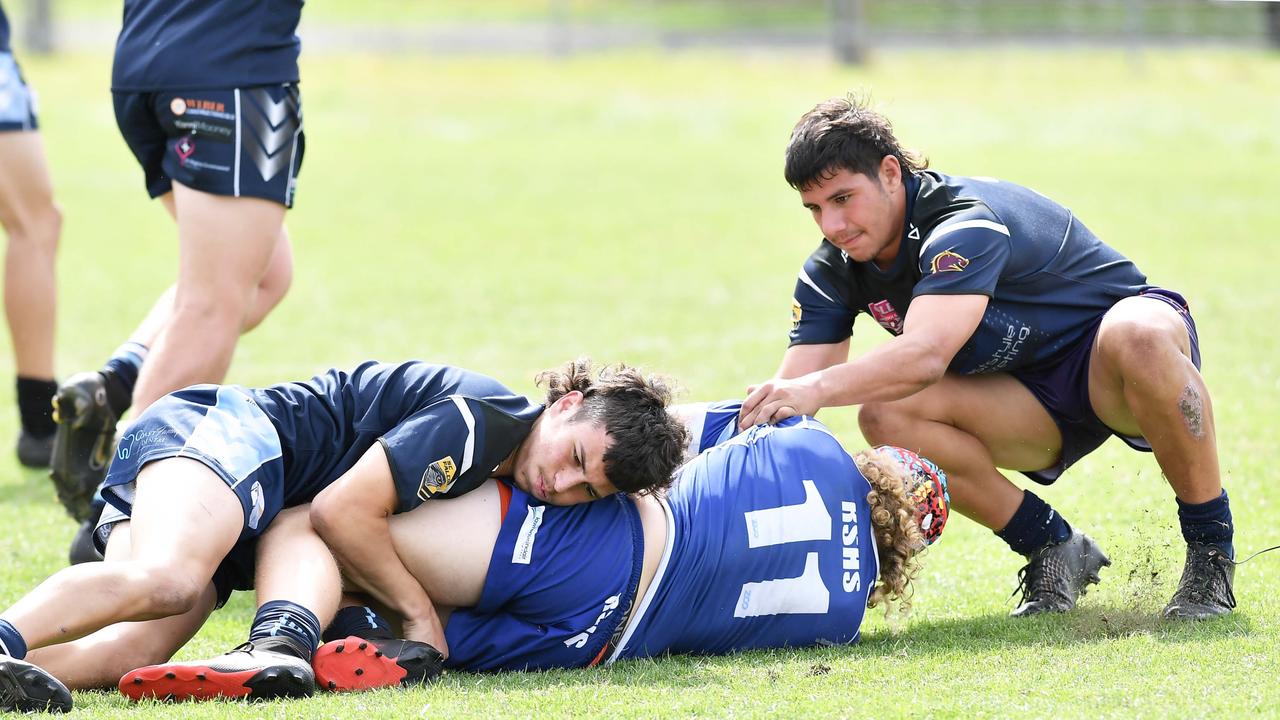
769	545
444	429
1049	278
202	44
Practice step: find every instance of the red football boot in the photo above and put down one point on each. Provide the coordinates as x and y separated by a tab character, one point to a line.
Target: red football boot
362	664
247	672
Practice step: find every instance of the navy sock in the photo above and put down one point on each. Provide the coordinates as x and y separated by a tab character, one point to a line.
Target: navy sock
35	405
1208	523
287	620
1034	526
121	374
11	642
360	621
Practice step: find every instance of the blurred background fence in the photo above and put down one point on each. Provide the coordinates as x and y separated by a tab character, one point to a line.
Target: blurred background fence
849	28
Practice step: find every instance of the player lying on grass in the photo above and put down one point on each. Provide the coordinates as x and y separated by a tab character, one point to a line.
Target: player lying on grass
776	537
1021	341
204	471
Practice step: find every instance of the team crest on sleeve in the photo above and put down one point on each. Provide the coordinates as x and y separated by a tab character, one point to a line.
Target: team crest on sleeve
796	312
438	477
948	261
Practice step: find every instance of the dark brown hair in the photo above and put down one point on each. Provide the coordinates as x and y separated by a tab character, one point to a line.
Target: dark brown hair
843	134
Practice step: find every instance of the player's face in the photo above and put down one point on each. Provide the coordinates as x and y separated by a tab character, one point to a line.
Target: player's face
562	461
862	216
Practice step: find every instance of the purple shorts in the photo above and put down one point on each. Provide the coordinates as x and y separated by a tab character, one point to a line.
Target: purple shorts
1063	389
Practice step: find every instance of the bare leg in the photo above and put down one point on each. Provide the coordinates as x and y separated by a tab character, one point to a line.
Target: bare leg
969	426
227	249
34	224
98	660
185	521
294	564
1142	383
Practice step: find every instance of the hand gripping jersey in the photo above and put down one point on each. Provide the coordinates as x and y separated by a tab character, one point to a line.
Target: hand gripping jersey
1049	278
769	545
206	44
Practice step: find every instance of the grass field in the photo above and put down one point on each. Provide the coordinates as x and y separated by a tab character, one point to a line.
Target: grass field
507	215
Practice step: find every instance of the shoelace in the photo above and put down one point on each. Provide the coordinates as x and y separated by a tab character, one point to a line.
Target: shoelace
1221	570
1032	580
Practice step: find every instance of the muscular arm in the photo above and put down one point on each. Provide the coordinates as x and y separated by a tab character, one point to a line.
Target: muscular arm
352	516
935	329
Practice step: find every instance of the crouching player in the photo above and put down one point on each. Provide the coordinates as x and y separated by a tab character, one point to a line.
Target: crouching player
774	538
205	471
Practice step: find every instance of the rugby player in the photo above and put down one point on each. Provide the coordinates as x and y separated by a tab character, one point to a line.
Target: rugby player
33	223
1021	341
199	475
774	538
206	97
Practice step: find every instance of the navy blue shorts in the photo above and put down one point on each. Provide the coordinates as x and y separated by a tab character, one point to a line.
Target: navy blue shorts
242	142
17	102
1063	390
222	427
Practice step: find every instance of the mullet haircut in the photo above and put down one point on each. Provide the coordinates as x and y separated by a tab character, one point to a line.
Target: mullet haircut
843	134
647	442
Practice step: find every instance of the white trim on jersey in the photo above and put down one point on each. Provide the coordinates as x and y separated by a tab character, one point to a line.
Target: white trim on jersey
642	609
804	278
947	229
469	449
235	173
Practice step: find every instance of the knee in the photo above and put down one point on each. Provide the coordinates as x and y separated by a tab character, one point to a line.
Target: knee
167	591
1135	342
209	307
35	231
880	422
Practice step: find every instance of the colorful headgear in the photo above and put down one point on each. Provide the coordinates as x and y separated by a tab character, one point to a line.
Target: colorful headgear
926	486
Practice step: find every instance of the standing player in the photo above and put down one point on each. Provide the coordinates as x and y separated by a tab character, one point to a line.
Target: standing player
204	471
206	96
1020	341
33	223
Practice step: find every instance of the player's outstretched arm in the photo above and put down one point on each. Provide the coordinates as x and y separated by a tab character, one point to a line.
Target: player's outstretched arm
352	516
935	329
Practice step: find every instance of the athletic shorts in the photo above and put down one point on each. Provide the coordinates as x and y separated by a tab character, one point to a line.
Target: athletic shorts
561	581
242	142
17	101
222	427
1063	390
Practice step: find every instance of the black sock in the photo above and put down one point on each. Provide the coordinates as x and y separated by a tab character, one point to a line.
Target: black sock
1208	523
120	374
35	405
1034	526
296	627
358	621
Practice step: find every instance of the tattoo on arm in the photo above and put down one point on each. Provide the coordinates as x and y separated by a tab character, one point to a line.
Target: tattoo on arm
1192	408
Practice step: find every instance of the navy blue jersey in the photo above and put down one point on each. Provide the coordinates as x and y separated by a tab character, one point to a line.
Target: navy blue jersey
4	31
769	545
1049	278
199	45
444	429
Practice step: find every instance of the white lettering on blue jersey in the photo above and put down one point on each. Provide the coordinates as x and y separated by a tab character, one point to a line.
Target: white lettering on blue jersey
522	553
790	523
803	595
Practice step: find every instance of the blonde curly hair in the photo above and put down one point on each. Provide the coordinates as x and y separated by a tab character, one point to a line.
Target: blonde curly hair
897	530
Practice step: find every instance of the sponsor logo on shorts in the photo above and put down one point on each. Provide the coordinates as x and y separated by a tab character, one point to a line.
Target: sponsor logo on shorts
886	315
947	261
522	554
259	505
437	478
185	147
178	106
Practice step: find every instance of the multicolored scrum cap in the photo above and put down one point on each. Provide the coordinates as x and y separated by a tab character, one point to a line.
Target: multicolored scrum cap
926	485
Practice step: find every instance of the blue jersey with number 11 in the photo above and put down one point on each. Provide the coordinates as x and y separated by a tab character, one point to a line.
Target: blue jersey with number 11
770	545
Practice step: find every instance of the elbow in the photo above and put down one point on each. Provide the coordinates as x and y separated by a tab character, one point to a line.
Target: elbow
930	368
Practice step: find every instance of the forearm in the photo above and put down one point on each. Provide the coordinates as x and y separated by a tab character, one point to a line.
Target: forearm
892	371
363	547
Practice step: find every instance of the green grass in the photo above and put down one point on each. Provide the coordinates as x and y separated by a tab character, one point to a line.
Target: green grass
506	215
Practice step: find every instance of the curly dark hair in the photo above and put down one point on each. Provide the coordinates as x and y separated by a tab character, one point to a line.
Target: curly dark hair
843	134
897	530
647	441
